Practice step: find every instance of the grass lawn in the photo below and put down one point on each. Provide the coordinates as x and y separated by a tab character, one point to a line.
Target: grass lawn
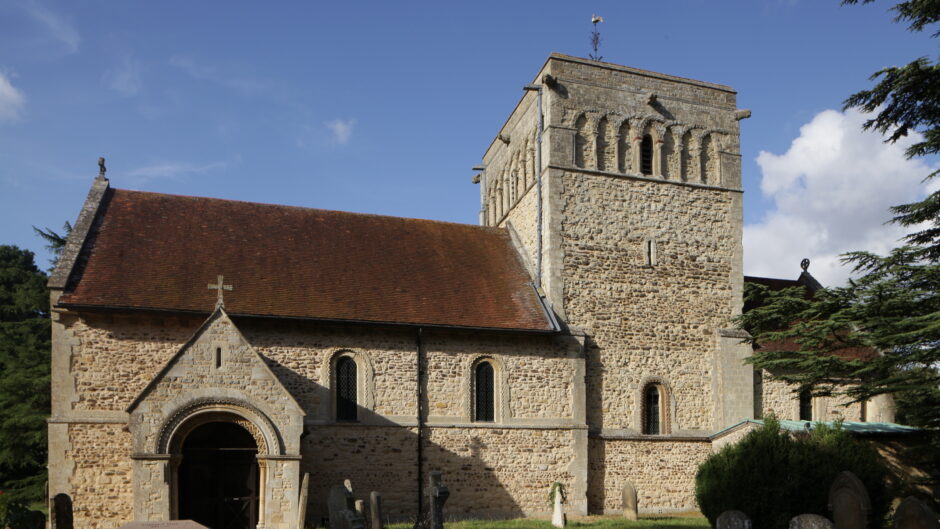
587	522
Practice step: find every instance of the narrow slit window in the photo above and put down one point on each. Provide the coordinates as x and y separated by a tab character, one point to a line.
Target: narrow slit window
646	155
218	357
346	390
650	252
653	403
483	410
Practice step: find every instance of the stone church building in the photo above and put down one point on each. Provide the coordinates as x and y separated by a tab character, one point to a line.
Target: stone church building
208	353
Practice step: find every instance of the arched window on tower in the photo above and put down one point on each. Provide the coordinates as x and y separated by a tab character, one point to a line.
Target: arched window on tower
646	155
483	392
347	389
654	406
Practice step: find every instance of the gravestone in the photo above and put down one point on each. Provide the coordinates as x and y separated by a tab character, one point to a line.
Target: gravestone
438	494
733	520
342	509
302	502
629	501
558	513
173	524
810	521
61	515
849	502
375	511
348	484
360	507
914	514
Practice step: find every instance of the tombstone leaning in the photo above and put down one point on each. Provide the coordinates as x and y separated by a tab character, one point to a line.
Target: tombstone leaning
810	521
557	493
733	520
629	501
342	509
914	514
375	511
849	502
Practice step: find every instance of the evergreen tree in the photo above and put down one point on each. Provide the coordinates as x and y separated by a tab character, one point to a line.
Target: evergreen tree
24	375
893	306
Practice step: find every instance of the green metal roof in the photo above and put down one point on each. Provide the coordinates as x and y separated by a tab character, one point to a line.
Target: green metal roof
853	427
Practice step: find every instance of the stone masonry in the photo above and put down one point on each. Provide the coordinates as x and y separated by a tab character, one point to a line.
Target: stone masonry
630	229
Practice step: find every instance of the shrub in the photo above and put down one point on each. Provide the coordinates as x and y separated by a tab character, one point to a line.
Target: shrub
773	476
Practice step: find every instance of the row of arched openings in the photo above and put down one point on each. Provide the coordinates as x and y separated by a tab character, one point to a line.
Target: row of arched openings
654	407
648	148
346	389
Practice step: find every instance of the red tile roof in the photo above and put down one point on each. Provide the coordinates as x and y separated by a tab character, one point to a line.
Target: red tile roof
159	252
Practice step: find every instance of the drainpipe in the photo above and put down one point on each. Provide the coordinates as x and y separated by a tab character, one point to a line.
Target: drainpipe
538	186
419	349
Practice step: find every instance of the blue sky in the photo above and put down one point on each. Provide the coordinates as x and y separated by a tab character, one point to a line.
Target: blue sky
384	107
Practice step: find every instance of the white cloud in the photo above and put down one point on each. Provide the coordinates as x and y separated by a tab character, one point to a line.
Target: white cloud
342	130
11	100
125	79
831	192
59	26
171	170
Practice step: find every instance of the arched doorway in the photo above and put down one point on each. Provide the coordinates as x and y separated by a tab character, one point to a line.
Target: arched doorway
218	477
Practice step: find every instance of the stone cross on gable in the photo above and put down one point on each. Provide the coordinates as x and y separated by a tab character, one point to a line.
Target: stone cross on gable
221	287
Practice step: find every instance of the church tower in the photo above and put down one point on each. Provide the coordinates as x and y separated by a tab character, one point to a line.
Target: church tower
622	190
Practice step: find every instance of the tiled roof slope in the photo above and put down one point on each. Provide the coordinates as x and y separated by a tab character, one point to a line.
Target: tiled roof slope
159	252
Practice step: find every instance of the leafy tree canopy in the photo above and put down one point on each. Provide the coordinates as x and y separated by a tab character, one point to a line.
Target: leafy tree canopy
24	375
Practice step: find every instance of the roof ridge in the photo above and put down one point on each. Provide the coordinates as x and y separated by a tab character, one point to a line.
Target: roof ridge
307	208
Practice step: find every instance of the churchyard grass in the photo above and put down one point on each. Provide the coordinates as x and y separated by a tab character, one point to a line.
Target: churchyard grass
672	522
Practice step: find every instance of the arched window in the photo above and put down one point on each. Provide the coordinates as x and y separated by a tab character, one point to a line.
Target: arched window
483	392
653	405
806	405
646	155
347	389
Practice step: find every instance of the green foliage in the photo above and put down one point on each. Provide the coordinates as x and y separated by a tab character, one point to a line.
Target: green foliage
773	476
55	242
892	308
17	515
557	488
24	375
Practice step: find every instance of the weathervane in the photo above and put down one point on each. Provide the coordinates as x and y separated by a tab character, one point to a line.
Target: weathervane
221	287
595	38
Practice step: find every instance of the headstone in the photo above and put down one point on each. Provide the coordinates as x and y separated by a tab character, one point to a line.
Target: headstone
810	521
849	502
302	502
375	511
558	514
733	520
914	514
360	507
629	501
342	509
348	484
173	524
61	515
438	494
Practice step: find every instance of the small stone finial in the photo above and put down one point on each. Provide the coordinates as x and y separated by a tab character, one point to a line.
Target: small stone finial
101	168
651	99
221	287
804	264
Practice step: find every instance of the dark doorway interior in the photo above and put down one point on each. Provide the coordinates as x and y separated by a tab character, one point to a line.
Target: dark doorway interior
218	477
